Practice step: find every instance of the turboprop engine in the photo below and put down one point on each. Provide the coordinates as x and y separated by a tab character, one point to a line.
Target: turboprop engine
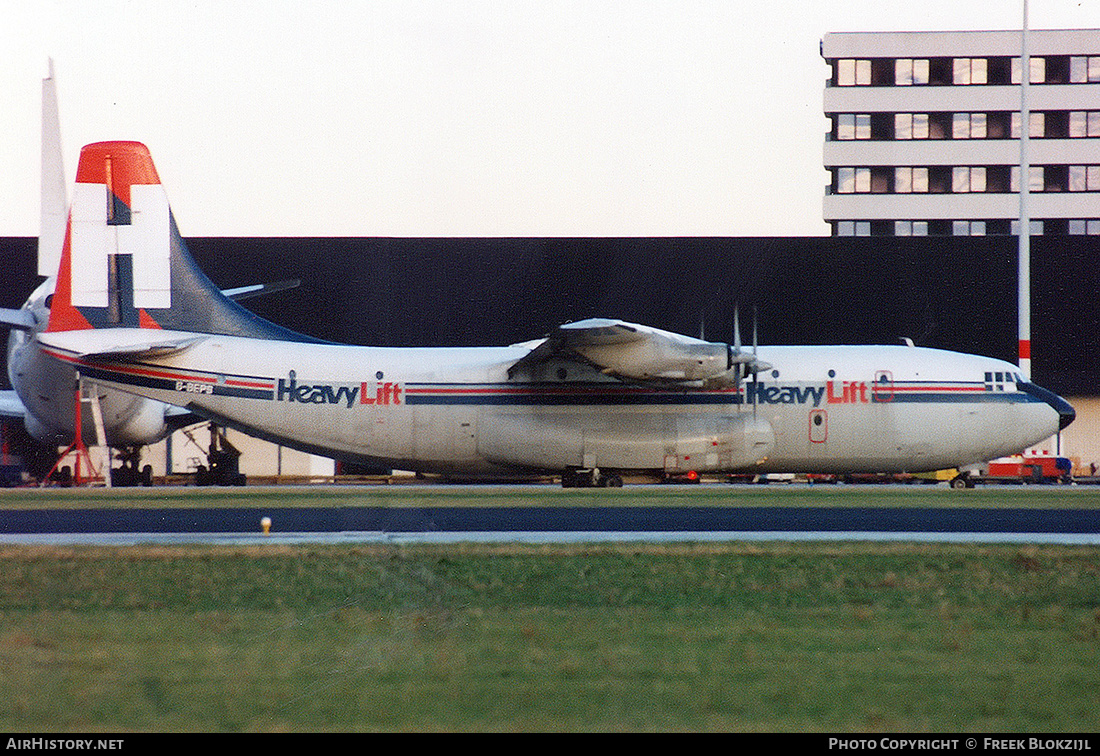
640	353
663	359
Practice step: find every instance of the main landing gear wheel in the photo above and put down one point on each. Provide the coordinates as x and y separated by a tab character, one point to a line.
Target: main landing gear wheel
572	477
129	473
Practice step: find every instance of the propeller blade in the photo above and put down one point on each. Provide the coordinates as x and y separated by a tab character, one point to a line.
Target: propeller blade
736	330
754	340
754	367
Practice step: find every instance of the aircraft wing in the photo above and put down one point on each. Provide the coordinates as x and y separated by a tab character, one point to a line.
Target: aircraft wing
633	351
180	417
21	319
10	404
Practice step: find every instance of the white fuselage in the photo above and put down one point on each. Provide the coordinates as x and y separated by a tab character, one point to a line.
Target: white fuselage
817	409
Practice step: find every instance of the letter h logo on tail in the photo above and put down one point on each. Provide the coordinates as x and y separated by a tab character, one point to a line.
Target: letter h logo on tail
124	263
116	262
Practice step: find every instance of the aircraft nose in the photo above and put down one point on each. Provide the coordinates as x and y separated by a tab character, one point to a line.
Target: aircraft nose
1066	413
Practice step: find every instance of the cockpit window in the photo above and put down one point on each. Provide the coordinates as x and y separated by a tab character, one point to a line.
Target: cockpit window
1001	381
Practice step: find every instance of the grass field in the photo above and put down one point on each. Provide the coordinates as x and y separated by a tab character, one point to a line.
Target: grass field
629	637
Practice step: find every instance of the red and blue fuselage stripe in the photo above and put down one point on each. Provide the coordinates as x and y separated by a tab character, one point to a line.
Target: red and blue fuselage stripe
551	394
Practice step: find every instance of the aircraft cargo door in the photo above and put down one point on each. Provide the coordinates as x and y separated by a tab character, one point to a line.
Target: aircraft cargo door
446	436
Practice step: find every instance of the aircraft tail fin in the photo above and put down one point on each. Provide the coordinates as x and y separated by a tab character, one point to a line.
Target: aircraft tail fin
54	206
124	264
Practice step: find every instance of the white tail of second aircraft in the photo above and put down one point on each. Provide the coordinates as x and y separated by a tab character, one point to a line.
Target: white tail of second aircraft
55	204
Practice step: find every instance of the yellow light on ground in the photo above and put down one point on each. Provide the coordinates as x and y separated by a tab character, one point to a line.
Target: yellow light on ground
265	523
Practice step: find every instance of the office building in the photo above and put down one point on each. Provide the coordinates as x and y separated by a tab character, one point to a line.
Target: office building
925	127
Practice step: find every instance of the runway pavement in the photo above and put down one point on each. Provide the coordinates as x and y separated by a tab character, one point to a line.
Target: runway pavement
537	524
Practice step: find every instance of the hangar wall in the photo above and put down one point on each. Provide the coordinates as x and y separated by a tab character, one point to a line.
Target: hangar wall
948	292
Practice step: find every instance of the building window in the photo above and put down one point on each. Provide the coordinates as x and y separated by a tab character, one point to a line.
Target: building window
1084	178
939	179
853	228
995	125
969	71
853	180
1057	124
1090	227
853	126
936	179
910	180
853	73
1038	70
1035	225
968	126
1038	178
940	71
999	71
1056	178
910	72
1084	70
845	181
968	228
904	72
1038	125
1084	123
940	125
1057	69
910	228
882	180
911	126
882	126
997	179
960	126
965	179
998	125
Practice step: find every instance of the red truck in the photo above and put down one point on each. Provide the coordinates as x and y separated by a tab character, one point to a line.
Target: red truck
1021	468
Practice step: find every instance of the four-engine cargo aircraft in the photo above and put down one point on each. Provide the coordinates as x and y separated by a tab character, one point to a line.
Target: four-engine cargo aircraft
591	401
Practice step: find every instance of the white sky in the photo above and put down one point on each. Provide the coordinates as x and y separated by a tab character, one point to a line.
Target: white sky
452	118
